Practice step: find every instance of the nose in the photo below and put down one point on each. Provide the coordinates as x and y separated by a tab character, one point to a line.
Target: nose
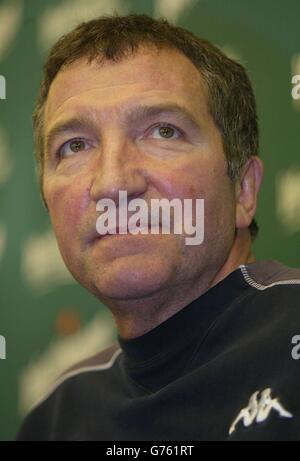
117	168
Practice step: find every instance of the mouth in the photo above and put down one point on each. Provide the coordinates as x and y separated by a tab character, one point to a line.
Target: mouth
121	232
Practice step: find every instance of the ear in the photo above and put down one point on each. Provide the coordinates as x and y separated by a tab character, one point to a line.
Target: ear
247	188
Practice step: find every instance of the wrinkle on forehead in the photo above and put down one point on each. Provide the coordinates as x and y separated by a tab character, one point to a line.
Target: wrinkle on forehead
85	92
138	73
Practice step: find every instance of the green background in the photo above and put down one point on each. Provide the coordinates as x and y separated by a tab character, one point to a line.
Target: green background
263	34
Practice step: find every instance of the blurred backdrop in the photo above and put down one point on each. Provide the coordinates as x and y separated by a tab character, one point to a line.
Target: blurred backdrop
49	322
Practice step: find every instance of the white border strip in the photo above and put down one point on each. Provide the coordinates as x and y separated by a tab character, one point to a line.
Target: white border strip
261	287
71	374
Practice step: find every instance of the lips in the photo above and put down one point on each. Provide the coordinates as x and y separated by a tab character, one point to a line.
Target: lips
118	231
112	233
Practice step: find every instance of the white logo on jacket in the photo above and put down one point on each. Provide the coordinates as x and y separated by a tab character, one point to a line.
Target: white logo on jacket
259	410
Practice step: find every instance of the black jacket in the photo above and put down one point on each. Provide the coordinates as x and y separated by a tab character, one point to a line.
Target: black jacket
220	369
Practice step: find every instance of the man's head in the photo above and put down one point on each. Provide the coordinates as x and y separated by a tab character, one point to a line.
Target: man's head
99	83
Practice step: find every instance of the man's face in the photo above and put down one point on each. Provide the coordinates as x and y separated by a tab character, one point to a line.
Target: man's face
119	151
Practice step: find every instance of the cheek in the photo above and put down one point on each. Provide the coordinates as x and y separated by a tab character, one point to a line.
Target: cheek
66	205
211	183
192	182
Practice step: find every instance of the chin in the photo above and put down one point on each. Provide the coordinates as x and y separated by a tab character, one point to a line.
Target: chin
131	278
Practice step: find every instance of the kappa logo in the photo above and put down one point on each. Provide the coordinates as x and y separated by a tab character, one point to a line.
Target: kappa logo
258	410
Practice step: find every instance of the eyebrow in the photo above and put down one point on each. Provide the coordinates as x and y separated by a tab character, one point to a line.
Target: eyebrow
133	115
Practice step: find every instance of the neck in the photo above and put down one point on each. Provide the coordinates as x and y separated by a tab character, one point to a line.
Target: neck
241	253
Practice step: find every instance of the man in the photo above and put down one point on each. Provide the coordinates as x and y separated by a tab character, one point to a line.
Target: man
204	348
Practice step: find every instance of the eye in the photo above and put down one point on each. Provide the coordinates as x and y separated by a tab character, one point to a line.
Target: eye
164	131
72	147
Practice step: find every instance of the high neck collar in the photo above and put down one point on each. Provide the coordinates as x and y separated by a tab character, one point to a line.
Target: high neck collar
179	330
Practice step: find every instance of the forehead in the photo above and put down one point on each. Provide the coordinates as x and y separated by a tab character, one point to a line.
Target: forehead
148	74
